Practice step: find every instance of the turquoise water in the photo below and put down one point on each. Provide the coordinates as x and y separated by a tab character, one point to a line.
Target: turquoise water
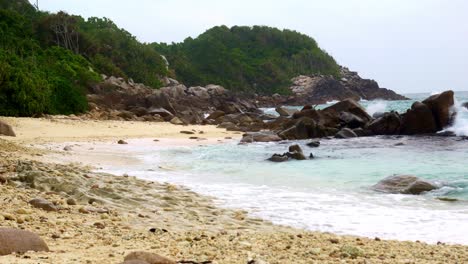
332	192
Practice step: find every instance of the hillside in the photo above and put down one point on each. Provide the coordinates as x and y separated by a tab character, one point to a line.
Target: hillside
251	59
48	61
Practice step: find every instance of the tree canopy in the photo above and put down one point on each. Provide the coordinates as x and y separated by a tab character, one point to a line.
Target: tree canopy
47	61
258	59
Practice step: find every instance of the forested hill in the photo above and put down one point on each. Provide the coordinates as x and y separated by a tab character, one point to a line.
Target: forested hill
259	59
47	61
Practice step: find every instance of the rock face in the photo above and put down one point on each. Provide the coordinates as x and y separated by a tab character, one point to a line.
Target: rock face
388	124
318	89
405	184
15	240
418	120
346	133
150	258
6	130
116	99
440	105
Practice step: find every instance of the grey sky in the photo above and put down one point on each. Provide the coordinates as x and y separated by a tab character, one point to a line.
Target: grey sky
405	45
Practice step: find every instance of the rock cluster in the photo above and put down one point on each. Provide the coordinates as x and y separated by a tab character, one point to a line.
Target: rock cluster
405	184
319	89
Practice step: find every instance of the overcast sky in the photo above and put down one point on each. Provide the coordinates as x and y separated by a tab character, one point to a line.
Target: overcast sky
405	45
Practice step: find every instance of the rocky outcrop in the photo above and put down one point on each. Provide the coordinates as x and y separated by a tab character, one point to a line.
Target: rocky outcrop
405	184
6	130
388	124
295	152
117	99
441	107
418	120
319	89
20	241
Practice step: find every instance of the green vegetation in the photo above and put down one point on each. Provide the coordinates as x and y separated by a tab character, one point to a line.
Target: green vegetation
250	59
47	61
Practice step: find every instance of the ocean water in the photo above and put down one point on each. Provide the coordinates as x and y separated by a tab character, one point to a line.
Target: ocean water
331	192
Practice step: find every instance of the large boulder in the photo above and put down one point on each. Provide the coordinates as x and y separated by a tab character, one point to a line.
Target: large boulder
6	129
440	105
405	184
351	120
346	133
388	124
20	241
465	104
418	120
283	111
350	106
303	128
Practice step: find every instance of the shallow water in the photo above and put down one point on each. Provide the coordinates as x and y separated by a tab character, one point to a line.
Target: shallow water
331	192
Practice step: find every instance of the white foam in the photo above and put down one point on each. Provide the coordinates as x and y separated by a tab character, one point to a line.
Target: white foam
332	102
460	125
376	106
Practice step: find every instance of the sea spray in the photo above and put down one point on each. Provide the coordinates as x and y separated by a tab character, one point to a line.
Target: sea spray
460	124
376	107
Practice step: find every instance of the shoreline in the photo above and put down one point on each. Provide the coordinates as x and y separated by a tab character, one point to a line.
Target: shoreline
202	226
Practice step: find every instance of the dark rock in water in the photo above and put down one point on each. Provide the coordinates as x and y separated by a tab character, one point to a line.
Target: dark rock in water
122	142
465	104
447	199
314	144
418	120
43	204
351	120
361	132
6	130
260	137
440	105
345	133
405	184
283	111
378	115
350	106
399	144
446	134
295	148
20	241
150	258
295	152
388	124
279	157
311	156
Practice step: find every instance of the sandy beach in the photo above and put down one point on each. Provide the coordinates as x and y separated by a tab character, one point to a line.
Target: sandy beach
102	217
